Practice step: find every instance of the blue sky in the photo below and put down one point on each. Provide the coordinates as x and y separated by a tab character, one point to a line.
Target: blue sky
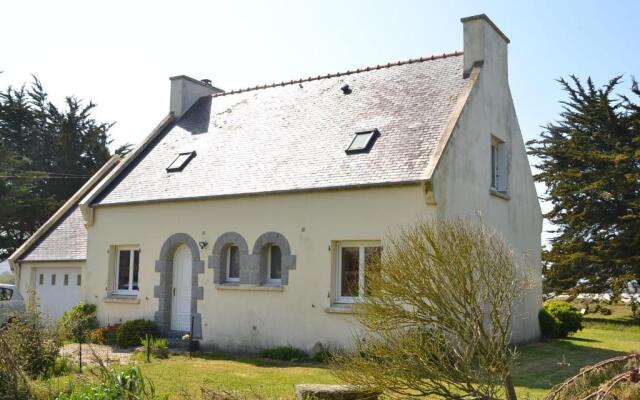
121	54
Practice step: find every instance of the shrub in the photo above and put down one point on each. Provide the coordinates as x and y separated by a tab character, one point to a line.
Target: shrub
33	344
549	325
76	323
285	353
565	319
96	336
13	385
156	347
128	383
129	333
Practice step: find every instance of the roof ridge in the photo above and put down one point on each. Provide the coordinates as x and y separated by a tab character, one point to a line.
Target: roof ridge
338	74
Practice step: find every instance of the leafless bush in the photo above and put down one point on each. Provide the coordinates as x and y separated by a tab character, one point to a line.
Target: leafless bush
437	315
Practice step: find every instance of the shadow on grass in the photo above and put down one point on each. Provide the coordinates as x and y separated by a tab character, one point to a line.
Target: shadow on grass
255	360
539	364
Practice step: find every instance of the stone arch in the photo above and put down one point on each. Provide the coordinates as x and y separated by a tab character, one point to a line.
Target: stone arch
217	257
164	266
258	254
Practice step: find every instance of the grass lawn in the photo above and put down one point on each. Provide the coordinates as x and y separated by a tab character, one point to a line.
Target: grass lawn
537	371
538	368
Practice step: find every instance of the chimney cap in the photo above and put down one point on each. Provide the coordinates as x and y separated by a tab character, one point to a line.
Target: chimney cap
489	21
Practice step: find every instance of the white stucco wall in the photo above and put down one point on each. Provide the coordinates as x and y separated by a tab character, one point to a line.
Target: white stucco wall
462	179
241	319
26	273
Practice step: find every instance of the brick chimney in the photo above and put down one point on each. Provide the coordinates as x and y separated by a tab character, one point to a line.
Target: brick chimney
484	42
185	91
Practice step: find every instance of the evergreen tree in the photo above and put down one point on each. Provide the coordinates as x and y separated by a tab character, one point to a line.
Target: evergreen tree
46	154
590	163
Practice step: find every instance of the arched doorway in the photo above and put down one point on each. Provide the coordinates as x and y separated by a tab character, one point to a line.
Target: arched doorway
177	291
181	290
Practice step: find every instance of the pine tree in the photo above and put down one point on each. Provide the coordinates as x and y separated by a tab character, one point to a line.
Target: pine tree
590	163
46	154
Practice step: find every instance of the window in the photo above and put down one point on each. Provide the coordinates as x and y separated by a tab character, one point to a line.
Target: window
41	280
66	279
53	279
362	142
5	294
181	161
353	257
233	264
274	264
127	267
79	280
498	165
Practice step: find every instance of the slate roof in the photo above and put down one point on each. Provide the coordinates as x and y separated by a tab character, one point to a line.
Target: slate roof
66	241
293	136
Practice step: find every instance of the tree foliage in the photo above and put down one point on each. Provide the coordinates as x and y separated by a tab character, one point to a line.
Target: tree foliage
437	315
46	154
590	164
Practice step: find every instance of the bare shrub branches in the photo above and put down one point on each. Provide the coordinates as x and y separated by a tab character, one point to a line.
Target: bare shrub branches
436	318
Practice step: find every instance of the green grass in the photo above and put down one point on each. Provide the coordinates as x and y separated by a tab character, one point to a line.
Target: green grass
270	378
536	373
538	369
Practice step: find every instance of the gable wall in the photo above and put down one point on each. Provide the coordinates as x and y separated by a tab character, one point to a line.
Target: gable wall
242	319
462	181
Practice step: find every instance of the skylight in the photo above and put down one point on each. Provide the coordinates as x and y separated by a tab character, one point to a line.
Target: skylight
363	141
181	161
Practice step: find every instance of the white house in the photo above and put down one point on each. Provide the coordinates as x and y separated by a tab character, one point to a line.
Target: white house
253	211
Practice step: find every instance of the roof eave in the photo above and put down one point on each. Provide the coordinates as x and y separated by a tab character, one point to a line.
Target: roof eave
84	189
268	193
86	205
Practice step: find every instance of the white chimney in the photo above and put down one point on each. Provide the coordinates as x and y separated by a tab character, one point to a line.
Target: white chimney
484	42
185	91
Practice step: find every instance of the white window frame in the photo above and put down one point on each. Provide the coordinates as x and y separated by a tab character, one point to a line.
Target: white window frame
269	280
361	244
498	164
116	275
227	278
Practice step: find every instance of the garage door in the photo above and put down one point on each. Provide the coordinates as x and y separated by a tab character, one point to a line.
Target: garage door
57	290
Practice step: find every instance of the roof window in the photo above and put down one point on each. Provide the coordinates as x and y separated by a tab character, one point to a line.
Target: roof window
181	161
363	141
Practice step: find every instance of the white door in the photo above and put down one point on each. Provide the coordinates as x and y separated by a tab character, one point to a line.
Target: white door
57	290
181	302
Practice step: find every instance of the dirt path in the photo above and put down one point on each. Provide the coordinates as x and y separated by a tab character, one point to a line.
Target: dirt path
107	353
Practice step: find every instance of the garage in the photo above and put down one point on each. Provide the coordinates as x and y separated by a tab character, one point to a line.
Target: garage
57	290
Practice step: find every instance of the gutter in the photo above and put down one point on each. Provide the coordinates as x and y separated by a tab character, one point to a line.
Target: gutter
85	203
84	189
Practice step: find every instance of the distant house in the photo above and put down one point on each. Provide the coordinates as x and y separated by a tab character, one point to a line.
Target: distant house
252	212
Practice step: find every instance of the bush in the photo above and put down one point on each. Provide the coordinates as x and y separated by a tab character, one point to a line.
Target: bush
285	353
549	325
129	333
34	346
558	319
76	323
128	383
96	336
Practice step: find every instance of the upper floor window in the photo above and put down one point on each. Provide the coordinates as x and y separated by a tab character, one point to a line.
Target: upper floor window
353	258
127	268
233	264
274	264
498	165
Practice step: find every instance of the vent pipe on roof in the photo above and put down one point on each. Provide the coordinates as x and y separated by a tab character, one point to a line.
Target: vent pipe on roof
185	91
484	42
